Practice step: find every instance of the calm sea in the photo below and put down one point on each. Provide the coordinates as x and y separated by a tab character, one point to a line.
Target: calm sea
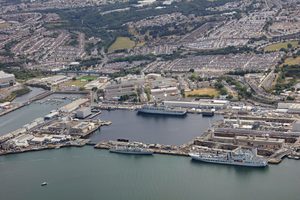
91	174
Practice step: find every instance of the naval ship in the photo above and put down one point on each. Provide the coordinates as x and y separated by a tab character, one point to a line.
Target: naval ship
161	110
127	149
239	157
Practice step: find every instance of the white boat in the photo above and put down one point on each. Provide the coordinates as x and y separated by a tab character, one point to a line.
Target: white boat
240	157
44	184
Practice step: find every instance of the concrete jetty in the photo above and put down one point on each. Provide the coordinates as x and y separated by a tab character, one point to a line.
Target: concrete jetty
156	148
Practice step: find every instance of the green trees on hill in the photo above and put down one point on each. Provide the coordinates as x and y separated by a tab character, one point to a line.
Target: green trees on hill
93	22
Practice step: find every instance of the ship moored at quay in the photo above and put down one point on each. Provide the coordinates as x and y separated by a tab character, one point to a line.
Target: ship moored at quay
161	110
130	149
274	137
240	157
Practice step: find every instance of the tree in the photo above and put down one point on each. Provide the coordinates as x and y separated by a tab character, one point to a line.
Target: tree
290	98
182	93
148	93
219	85
229	97
124	97
283	49
81	89
94	89
192	70
194	76
223	91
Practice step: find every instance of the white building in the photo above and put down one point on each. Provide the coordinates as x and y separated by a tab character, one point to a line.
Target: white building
83	112
204	104
73	105
290	107
6	79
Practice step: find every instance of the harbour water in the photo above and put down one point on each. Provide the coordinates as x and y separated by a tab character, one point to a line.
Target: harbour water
34	92
26	114
87	173
152	128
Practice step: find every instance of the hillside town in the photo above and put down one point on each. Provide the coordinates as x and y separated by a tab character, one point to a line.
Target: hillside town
236	59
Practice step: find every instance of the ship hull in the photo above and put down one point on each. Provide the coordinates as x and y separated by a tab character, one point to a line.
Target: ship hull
226	162
154	112
131	152
208	114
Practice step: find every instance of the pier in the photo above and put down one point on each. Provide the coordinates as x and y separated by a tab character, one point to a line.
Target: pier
156	148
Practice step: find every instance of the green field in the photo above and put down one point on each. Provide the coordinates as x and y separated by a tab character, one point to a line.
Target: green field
75	83
121	43
80	82
278	46
292	61
88	78
209	92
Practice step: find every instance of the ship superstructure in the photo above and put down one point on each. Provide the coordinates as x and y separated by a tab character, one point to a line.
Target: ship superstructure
130	149
241	157
161	110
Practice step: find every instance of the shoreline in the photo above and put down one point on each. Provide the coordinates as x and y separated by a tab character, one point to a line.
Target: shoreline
175	150
155	151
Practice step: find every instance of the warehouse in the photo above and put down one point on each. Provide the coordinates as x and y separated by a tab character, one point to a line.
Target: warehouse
74	105
83	112
204	104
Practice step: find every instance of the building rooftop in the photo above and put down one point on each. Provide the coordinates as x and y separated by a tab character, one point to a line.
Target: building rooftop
261	139
6	75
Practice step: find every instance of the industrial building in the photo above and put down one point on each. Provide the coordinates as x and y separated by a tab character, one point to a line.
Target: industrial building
49	139
22	140
264	142
83	112
289	107
98	83
296	126
82	128
71	127
5	105
6	79
25	140
168	90
49	81
51	115
74	105
260	142
123	86
204	104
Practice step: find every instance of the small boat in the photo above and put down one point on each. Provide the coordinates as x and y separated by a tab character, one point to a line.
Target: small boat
44	184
